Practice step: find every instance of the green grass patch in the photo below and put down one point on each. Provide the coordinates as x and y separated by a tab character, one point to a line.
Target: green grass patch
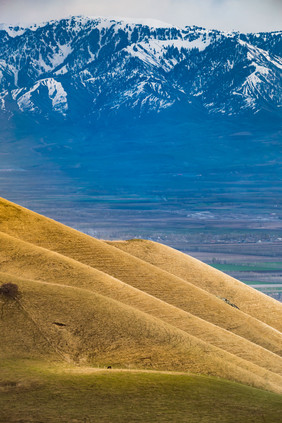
40	392
257	283
248	267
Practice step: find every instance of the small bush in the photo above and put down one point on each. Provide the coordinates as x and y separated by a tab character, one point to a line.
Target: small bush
10	290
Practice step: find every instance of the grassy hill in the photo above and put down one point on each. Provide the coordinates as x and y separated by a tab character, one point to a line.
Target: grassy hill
36	391
85	303
206	277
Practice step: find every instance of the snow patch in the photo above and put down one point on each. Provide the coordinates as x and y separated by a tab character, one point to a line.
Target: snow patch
153	51
58	58
152	23
19	29
106	22
258	54
12	31
56	93
55	59
62	71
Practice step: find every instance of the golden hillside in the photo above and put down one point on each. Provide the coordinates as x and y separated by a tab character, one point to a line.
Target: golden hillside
212	280
97	303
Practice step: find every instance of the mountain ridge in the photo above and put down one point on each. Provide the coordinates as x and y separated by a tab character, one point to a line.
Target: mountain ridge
103	66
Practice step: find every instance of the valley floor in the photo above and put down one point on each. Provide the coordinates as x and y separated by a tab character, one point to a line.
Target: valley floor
219	228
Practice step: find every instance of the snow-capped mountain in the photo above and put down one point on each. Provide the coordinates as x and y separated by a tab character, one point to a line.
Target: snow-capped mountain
87	67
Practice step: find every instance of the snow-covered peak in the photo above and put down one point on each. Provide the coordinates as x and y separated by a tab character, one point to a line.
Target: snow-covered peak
19	29
12	31
82	20
104	63
151	23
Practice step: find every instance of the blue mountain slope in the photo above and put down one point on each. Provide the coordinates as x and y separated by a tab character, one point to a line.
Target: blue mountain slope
107	109
100	67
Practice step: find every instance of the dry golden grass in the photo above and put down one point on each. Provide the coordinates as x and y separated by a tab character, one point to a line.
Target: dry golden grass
212	280
24	259
122	310
54	236
79	326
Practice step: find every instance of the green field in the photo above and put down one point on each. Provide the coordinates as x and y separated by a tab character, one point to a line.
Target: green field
43	392
249	267
278	287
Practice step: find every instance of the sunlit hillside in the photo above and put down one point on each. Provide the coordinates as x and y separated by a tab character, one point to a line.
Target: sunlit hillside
85	304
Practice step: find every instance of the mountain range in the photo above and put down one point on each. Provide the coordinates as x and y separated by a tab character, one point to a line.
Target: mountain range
110	111
95	67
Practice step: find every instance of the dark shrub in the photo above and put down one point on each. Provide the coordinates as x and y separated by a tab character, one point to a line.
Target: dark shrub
10	290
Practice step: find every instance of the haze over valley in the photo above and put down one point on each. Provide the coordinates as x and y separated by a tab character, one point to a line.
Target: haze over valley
143	129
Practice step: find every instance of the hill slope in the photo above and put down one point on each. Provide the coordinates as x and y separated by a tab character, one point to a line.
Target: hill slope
107	332
206	277
124	310
51	235
84	394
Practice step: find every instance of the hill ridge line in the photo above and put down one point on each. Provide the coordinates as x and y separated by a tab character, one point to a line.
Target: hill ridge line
128	305
123	309
111	249
58	255
194	259
240	363
209	324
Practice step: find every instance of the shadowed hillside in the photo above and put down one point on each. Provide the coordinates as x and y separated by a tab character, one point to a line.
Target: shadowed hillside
88	302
